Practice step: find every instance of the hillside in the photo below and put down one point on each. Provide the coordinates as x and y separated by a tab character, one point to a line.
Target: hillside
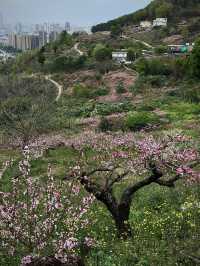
178	12
100	160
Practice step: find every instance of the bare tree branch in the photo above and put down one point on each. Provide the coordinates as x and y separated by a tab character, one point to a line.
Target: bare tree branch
168	183
118	179
127	194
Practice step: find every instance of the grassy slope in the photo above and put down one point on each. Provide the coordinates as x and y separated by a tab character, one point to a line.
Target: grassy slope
162	229
159	223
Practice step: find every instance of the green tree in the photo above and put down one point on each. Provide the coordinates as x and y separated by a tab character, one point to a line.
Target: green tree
22	119
101	52
185	32
69	63
116	31
120	87
65	38
40	56
161	49
164	10
195	60
55	47
131	54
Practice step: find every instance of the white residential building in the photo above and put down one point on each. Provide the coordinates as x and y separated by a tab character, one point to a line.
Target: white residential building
120	56
145	24
4	40
160	22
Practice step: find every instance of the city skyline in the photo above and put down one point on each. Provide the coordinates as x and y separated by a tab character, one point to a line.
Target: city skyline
78	13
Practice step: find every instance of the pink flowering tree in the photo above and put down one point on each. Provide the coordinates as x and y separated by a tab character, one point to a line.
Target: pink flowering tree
134	162
42	219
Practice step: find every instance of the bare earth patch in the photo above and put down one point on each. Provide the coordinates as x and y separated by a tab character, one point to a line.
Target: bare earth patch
111	81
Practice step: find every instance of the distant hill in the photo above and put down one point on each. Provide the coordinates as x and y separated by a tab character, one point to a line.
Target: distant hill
174	10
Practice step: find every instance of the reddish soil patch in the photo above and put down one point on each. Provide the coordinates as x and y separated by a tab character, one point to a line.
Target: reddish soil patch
87	77
112	79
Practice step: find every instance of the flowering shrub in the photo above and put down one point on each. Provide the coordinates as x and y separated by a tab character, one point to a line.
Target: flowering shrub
42	217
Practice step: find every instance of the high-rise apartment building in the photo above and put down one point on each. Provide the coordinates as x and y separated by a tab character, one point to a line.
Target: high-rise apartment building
1	21
56	27
18	28
12	40
43	38
53	36
24	41
35	41
37	28
67	26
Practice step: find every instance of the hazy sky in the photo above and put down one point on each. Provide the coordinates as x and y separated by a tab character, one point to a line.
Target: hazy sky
78	12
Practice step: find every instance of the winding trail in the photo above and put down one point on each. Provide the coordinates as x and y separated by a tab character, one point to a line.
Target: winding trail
77	49
136	40
132	70
48	77
145	43
58	86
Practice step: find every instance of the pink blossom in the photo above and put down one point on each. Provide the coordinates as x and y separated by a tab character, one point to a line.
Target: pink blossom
89	242
26	260
71	243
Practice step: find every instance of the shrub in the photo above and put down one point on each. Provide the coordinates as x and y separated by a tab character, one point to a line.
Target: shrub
104	67
104	125
113	123
146	82
101	91
69	63
180	67
192	95
156	81
81	91
98	76
110	108
189	93
131	54
120	88
195	60
154	67
101	53
161	49
140	120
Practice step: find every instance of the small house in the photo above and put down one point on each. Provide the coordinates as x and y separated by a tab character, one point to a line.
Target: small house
181	49
120	56
145	24
160	22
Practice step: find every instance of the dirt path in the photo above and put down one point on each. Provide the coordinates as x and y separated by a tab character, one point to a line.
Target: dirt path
77	49
132	70
136	40
145	43
48	77
58	86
